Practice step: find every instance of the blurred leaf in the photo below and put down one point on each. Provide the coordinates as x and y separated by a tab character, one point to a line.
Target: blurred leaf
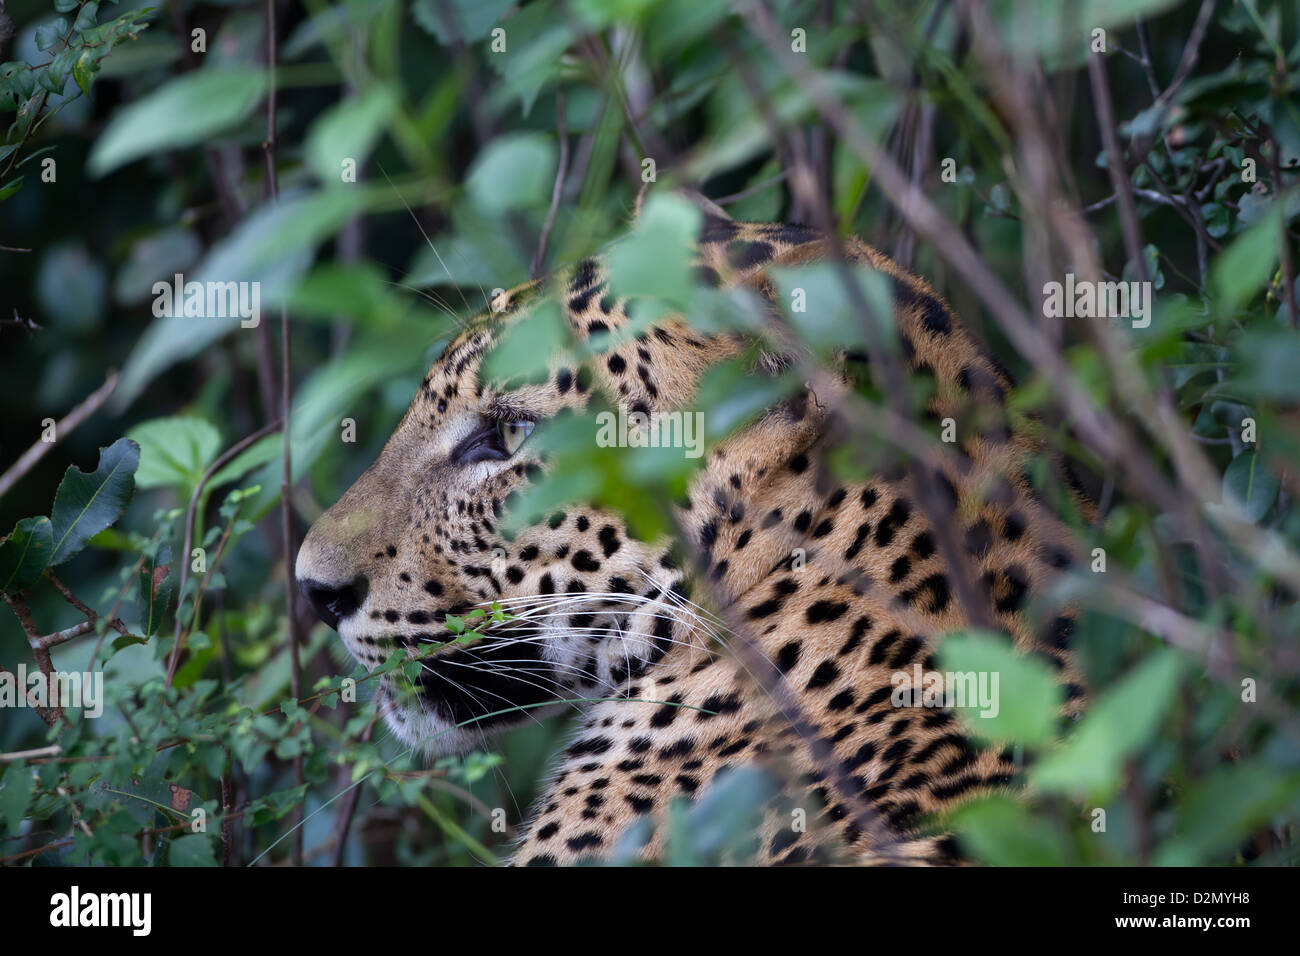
86	504
1249	484
155	257
1121	721
1240	271
349	131
537	37
271	248
526	344
25	553
174	451
72	286
192	108
466	21
1004	832
515	171
192	849
655	260
1023	703
1218	814
16	789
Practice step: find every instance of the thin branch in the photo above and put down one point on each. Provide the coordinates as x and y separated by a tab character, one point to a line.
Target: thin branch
1115	167
539	258
286	405
221	461
70	421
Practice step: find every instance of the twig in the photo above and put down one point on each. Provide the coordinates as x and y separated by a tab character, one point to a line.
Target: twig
1115	167
349	807
70	421
221	461
91	616
286	403
53	750
539	258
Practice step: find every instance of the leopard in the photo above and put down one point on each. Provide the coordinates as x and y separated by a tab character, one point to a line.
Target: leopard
765	634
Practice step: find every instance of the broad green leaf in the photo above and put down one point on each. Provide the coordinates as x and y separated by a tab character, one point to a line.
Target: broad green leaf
49	34
71	285
25	553
1241	270
1222	810
734	396
1250	485
269	251
259	453
348	132
193	849
526	345
16	789
1001	694
1270	359
513	172
328	394
174	451
820	304
1002	832
86	504
466	21
193	108
655	260
1121	721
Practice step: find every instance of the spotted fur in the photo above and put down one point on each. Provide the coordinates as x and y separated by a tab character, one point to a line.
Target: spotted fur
598	614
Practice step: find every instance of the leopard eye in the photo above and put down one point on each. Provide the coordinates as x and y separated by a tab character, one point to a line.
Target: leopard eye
513	434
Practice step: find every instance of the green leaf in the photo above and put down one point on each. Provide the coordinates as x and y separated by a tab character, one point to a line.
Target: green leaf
86	19
192	108
1240	271
513	172
1270	359
1016	695
1002	832
16	795
193	849
655	260
48	34
174	451
526	345
1223	809
25	553
349	131
1120	722
469	20
259	453
84	70
271	247
11	187
86	504
155	581
537	36
817	299
1250	485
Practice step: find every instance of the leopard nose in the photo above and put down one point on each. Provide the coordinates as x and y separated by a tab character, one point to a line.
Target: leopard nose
333	603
